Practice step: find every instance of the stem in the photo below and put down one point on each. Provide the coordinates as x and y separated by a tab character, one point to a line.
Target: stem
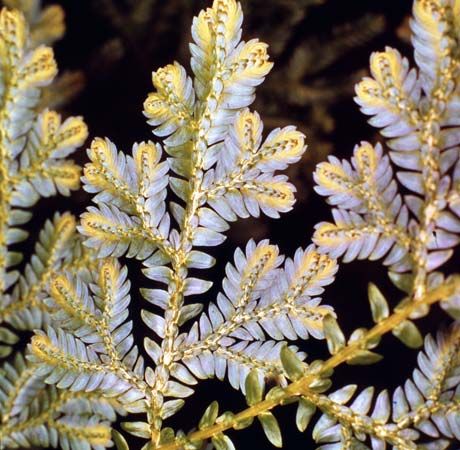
5	158
279	306
176	300
202	125
301	386
430	153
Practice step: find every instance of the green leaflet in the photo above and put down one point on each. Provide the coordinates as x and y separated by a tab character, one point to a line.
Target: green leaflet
271	428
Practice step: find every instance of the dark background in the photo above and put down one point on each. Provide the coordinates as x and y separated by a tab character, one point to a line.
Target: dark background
320	49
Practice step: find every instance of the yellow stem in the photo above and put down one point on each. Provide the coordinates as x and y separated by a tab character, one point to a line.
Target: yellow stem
302	385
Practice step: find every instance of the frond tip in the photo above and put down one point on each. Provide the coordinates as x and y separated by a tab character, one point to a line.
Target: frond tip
370	219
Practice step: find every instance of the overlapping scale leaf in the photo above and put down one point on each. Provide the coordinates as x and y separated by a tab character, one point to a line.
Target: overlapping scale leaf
244	182
260	301
93	345
391	97
421	411
25	308
371	220
130	216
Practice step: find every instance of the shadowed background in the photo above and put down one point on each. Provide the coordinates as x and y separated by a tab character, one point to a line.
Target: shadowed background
320	49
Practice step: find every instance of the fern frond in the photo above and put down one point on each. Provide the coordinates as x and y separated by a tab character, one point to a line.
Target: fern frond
93	346
32	146
56	249
35	415
259	300
223	171
426	407
418	112
130	194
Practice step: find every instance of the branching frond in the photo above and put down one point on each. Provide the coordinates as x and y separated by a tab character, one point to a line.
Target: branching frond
226	74
58	248
243	182
35	415
418	112
82	364
92	347
260	300
42	170
423	413
224	170
391	96
32	146
171	110
130	195
433	40
371	220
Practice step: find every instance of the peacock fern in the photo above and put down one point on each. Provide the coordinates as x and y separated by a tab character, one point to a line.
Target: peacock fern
33	147
83	365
